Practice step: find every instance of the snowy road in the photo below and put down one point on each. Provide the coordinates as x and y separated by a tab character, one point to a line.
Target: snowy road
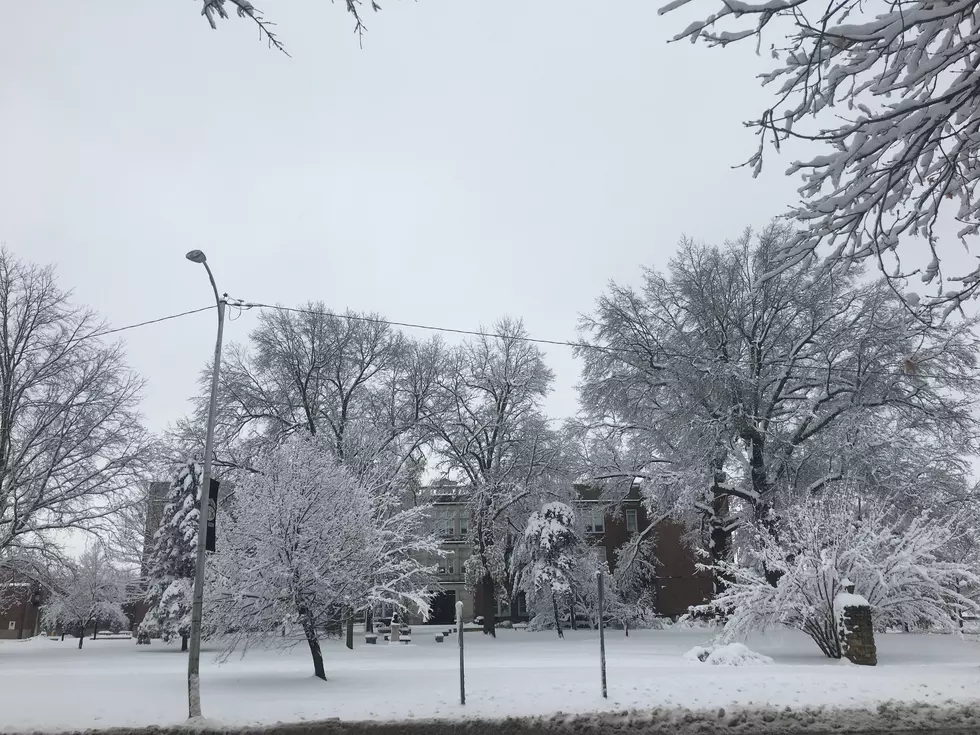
51	685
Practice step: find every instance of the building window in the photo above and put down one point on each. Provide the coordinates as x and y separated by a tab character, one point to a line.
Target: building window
595	519
603	554
446	564
631	524
464	521
446	526
12	625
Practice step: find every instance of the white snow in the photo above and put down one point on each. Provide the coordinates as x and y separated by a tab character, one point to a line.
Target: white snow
50	685
847	599
730	654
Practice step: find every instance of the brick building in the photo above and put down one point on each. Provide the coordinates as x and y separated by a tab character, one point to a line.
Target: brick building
20	602
607	526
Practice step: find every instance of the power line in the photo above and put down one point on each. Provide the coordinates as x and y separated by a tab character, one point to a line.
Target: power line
105	332
430	328
559	343
434	328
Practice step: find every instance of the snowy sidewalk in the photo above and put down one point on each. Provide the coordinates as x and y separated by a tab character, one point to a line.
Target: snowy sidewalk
49	685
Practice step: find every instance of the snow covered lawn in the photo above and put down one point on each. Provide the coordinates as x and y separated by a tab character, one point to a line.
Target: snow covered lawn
51	685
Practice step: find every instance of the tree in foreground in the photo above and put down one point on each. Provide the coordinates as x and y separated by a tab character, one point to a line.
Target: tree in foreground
888	91
170	570
91	591
900	564
303	545
71	442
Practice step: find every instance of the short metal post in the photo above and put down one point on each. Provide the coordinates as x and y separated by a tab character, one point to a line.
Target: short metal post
462	676
602	637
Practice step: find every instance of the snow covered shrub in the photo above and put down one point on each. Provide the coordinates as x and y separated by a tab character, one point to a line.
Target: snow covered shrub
308	543
730	654
897	563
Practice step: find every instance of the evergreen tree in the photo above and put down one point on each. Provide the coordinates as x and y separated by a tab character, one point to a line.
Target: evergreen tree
171	565
550	545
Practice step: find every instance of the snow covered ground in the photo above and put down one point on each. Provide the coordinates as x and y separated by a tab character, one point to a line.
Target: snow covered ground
51	685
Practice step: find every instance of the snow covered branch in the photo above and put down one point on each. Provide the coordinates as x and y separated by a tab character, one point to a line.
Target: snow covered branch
900	154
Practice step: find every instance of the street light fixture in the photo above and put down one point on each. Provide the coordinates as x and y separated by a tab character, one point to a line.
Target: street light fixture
194	657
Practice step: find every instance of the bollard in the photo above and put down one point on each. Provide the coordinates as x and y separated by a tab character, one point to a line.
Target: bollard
462	676
602	637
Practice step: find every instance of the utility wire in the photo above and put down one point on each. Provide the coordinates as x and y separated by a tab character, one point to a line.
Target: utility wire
115	330
581	345
245	305
430	328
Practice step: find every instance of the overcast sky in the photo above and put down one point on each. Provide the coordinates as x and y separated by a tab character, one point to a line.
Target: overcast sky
472	160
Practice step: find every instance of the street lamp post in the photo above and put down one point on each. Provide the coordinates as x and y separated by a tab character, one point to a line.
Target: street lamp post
194	657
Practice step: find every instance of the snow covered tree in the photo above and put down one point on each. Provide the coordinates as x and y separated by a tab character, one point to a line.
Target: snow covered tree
887	91
173	559
898	563
346	377
589	562
71	441
91	591
304	546
728	396
490	431
633	580
549	544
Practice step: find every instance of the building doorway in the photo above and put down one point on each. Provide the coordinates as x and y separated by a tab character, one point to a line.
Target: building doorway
444	608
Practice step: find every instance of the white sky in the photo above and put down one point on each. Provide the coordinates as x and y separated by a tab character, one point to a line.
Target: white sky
473	160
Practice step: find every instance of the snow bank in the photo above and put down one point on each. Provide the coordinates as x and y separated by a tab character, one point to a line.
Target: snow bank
888	717
732	654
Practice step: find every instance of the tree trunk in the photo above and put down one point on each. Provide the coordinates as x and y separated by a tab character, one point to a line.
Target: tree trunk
554	602
571	612
721	536
368	621
515	616
764	508
23	617
81	637
62	634
350	629
310	631
489	605
626	626
95	631
183	643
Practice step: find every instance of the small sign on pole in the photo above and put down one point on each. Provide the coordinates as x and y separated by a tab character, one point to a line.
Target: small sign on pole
462	676
209	542
602	637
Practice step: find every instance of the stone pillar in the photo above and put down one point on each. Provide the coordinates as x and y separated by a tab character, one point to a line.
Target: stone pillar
856	627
